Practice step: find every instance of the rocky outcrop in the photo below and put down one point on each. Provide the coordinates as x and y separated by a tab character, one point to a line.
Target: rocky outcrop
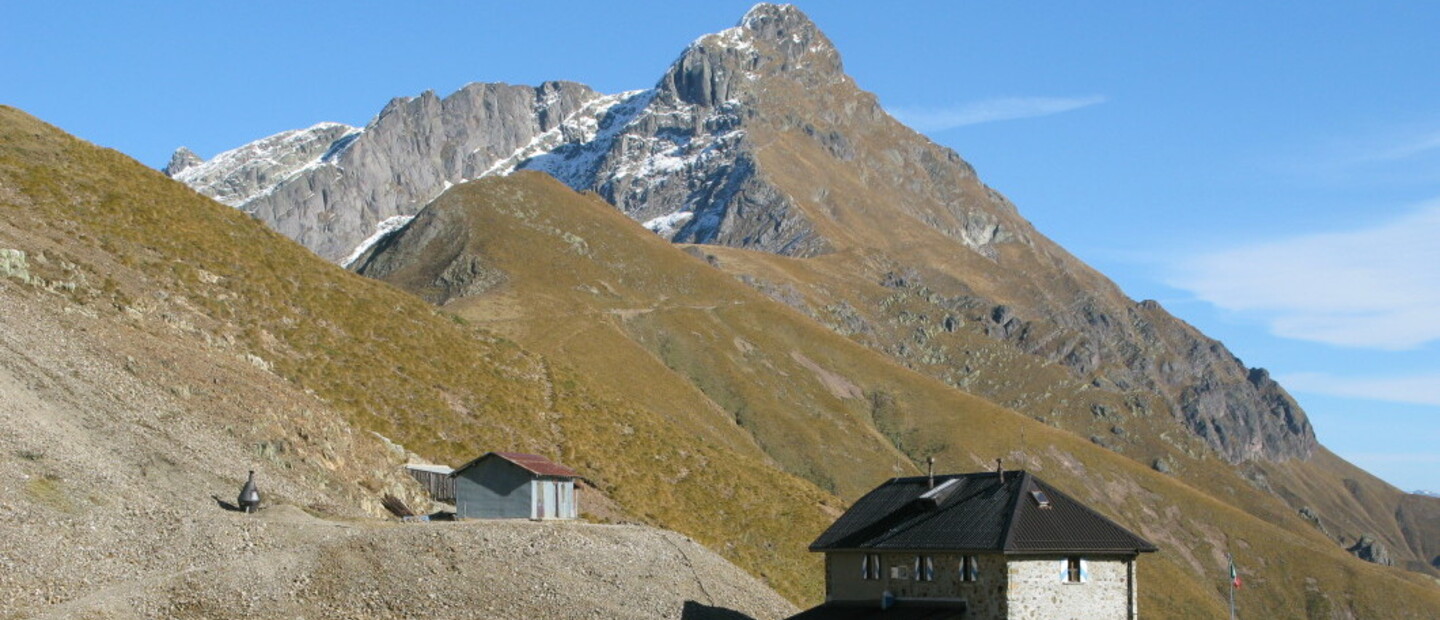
1371	550
14	265
182	159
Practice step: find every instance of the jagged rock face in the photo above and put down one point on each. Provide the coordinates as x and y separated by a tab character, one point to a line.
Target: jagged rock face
331	186
242	176
182	158
1044	301
755	138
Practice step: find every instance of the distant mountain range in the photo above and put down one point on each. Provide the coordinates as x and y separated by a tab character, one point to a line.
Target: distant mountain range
766	162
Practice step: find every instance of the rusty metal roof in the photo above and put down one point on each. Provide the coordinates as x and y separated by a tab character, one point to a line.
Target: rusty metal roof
532	463
976	512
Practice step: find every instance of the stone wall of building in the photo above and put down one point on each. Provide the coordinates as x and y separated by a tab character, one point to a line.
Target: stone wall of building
1038	589
985	597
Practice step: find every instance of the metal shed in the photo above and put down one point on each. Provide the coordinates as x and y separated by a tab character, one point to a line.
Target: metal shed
512	485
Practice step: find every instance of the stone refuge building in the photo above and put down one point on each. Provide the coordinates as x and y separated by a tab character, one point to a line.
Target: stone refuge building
511	485
982	545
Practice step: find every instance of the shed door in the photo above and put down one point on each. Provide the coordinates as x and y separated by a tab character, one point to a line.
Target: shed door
549	499
554	498
567	500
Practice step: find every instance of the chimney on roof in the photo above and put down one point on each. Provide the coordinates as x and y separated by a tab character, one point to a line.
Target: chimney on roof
1000	468
930	467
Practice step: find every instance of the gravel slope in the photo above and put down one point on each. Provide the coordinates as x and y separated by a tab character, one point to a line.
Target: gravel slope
115	433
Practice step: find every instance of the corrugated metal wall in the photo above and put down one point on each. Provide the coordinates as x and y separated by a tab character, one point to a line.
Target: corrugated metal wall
494	489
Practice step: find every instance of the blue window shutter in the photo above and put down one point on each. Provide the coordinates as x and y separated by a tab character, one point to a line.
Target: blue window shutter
865	566
929	568
1064	570
974	568
1084	571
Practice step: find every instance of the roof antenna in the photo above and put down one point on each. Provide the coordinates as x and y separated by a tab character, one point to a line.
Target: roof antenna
930	465
1000	469
1024	458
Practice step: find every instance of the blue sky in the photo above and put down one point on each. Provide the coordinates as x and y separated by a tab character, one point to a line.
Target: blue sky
1268	171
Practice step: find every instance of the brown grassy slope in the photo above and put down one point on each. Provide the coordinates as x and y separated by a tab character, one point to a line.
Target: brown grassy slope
890	219
585	288
1351	503
573	268
115	431
384	360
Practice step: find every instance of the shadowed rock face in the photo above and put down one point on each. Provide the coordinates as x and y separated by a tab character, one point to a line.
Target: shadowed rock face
1371	550
748	140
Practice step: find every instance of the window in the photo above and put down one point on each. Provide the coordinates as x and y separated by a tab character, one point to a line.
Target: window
924	568
870	566
1074	569
969	568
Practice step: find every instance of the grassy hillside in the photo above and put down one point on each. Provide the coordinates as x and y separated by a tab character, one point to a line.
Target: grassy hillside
1029	326
144	246
116	243
565	274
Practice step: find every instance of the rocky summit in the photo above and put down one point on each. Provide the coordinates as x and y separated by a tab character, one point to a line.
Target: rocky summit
755	138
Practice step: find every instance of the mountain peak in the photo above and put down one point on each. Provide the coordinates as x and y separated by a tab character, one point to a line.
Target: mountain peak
772	40
182	158
776	21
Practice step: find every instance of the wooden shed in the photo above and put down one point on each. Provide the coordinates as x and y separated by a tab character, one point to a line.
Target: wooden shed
436	480
511	485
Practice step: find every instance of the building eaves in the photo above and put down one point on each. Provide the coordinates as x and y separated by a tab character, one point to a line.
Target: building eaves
532	463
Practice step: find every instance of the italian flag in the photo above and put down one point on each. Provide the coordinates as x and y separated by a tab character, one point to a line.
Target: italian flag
1234	576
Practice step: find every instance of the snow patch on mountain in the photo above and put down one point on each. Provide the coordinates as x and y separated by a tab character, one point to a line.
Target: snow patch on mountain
242	174
667	225
586	140
382	230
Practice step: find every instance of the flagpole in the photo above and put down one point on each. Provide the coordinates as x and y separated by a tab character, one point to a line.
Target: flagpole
1231	585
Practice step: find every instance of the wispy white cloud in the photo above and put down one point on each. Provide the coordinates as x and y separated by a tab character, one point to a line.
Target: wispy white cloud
1374	288
1418	389
1405	148
990	110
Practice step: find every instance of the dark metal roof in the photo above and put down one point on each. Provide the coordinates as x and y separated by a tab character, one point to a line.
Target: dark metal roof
976	512
533	463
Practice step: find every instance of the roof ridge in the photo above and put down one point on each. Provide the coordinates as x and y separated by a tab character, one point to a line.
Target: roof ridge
1008	542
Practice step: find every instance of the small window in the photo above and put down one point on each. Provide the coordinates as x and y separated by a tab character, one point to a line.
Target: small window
1074	571
969	568
870	567
924	568
1041	499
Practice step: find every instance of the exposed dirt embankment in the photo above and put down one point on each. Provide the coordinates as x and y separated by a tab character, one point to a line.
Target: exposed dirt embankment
284	562
112	444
